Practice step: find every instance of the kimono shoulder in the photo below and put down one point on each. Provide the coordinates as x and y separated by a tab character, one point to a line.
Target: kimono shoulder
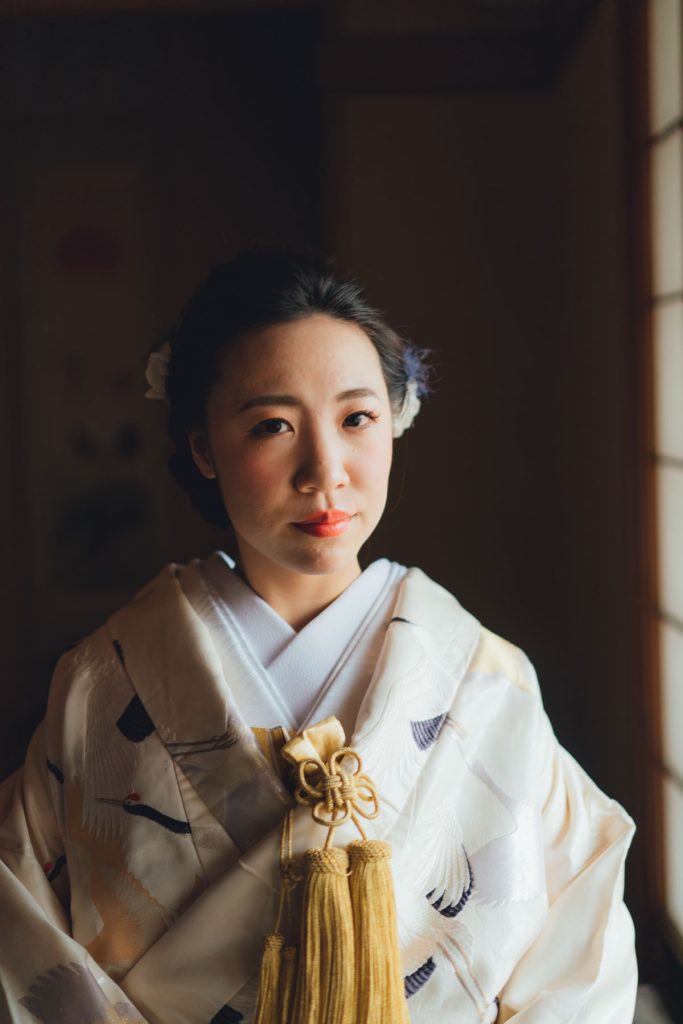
502	842
98	655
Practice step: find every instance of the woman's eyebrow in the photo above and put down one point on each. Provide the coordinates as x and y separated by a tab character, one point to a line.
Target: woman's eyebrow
343	396
269	400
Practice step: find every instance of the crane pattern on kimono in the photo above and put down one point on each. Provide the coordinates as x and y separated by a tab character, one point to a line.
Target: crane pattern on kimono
414	981
132	804
426	732
136	725
73	986
55	771
185	748
53	868
452	909
449	952
227	1015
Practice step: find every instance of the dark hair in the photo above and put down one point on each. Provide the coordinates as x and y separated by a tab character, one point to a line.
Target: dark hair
254	290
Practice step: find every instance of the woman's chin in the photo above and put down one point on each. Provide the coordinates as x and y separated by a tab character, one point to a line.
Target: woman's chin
313	556
303	555
326	561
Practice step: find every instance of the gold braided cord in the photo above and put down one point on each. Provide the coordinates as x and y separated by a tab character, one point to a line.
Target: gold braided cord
290	875
337	791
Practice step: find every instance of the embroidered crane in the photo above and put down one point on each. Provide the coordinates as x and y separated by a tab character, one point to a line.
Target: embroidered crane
131	804
132	918
73	987
414	982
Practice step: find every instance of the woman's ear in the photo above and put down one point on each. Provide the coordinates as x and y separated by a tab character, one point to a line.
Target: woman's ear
201	453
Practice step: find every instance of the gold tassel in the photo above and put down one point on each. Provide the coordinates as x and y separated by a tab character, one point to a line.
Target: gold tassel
287	983
349	969
276	966
269	982
325	985
380	992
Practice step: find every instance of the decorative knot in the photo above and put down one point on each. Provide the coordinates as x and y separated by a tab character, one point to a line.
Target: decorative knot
336	790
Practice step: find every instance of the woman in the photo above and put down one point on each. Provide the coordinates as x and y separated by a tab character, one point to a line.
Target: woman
142	842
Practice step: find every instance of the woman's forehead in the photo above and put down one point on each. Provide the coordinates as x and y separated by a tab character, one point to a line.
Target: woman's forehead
284	358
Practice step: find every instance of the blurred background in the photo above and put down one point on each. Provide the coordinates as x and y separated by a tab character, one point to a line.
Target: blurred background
506	179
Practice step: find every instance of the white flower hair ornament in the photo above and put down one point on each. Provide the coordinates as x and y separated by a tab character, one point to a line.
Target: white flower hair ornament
418	374
156	371
409	410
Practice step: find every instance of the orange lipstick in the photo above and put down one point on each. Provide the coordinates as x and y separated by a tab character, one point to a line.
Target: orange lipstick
330	523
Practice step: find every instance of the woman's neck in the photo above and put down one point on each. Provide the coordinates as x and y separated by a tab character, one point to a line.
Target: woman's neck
296	597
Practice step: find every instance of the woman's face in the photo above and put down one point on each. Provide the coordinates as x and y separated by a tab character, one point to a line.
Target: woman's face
299	435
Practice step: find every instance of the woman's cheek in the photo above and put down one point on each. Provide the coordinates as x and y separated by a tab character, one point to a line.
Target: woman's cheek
241	475
261	474
376	461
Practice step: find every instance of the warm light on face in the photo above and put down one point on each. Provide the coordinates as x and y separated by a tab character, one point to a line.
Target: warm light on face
299	435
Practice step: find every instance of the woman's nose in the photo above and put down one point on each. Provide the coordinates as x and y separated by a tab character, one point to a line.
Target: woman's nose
322	466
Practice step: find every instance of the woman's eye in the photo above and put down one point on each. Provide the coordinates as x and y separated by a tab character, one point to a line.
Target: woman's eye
267	428
360	419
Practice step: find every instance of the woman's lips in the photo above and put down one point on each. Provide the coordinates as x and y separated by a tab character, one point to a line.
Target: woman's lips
330	523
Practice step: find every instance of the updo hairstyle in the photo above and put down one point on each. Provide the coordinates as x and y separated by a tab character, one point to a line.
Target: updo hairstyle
257	289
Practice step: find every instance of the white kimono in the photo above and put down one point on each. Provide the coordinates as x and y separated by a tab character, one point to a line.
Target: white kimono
139	845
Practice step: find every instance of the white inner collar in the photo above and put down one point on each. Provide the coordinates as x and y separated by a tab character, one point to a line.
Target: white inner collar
297	674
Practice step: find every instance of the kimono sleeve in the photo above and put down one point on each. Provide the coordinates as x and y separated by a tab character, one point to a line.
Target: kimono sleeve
44	974
582	966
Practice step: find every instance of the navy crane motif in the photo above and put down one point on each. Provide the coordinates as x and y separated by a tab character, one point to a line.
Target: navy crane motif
132	804
414	982
53	870
226	1015
452	908
134	723
73	986
55	771
426	732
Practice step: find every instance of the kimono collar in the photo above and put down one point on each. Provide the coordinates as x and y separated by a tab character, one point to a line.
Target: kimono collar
430	642
177	675
173	666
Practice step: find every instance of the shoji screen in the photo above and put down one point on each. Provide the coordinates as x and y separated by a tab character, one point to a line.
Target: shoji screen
666	218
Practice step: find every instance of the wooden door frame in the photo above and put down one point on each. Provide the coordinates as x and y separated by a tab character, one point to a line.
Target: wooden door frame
658	958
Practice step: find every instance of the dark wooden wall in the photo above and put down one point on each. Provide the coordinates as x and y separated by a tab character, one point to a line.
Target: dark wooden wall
135	152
